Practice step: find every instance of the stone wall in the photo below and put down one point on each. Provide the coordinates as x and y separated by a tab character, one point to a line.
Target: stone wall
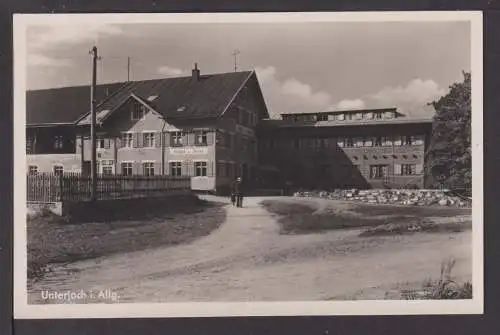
394	197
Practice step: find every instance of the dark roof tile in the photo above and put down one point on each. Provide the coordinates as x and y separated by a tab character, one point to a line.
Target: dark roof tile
182	97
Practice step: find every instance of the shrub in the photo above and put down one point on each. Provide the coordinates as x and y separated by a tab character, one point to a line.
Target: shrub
444	288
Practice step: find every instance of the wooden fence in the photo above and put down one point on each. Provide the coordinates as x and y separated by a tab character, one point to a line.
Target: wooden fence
48	187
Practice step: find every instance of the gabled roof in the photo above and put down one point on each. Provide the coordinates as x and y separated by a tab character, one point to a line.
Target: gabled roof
63	105
176	98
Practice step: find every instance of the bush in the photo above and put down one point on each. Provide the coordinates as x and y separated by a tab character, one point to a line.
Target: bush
443	289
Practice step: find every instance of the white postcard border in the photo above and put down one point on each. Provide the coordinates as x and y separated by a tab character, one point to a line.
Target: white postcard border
201	309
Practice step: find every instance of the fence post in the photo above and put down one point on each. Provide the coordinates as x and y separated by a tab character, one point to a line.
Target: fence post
61	188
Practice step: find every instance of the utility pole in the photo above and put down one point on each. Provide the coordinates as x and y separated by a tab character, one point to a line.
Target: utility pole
93	160
235	53
128	69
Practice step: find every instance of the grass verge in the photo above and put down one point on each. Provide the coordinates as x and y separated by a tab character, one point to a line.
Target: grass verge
53	239
443	288
299	218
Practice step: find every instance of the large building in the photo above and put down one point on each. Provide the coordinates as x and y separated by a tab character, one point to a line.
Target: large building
340	149
200	125
215	128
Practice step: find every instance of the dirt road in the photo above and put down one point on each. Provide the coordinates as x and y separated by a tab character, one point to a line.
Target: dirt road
248	260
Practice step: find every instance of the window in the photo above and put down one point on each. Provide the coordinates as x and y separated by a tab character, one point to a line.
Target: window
408	169
100	142
58	142
148	168
324	142
201	138
148	139
340	143
341	117
322	117
418	140
176	138
200	169
58	169
368	142
127	168
138	111
222	169
406	140
378	171
107	167
368	116
176	168
387	141
311	142
389	115
378	115
348	116
331	117
358	116
359	142
349	142
127	140
377	141
30	144
33	169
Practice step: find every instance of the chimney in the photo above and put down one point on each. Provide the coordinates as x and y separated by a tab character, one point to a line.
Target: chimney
196	72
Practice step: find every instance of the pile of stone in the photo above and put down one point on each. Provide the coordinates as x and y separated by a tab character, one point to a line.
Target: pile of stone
394	197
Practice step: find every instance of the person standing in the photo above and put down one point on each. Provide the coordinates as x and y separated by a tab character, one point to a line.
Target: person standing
237	191
234	192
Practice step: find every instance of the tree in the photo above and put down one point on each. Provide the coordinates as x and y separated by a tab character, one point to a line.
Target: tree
450	143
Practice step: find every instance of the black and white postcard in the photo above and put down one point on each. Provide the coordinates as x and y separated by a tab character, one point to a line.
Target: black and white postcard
260	164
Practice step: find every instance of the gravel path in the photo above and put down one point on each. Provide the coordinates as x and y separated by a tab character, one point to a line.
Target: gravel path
246	259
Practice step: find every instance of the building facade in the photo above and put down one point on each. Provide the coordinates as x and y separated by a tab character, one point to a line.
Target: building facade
215	128
198	126
361	148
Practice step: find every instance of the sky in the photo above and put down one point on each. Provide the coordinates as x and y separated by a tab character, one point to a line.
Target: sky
301	67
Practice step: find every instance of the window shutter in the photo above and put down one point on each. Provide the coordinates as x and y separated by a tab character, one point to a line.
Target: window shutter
107	143
210	169
158	170
135	140
185	138
210	137
140	140
158	139
166	137
118	143
419	168
136	168
397	169
185	168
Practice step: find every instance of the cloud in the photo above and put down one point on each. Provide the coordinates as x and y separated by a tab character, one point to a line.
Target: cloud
290	95
295	88
350	104
51	36
45	61
411	99
170	71
44	40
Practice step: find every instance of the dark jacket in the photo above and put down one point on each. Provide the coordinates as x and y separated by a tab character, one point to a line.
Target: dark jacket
236	187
